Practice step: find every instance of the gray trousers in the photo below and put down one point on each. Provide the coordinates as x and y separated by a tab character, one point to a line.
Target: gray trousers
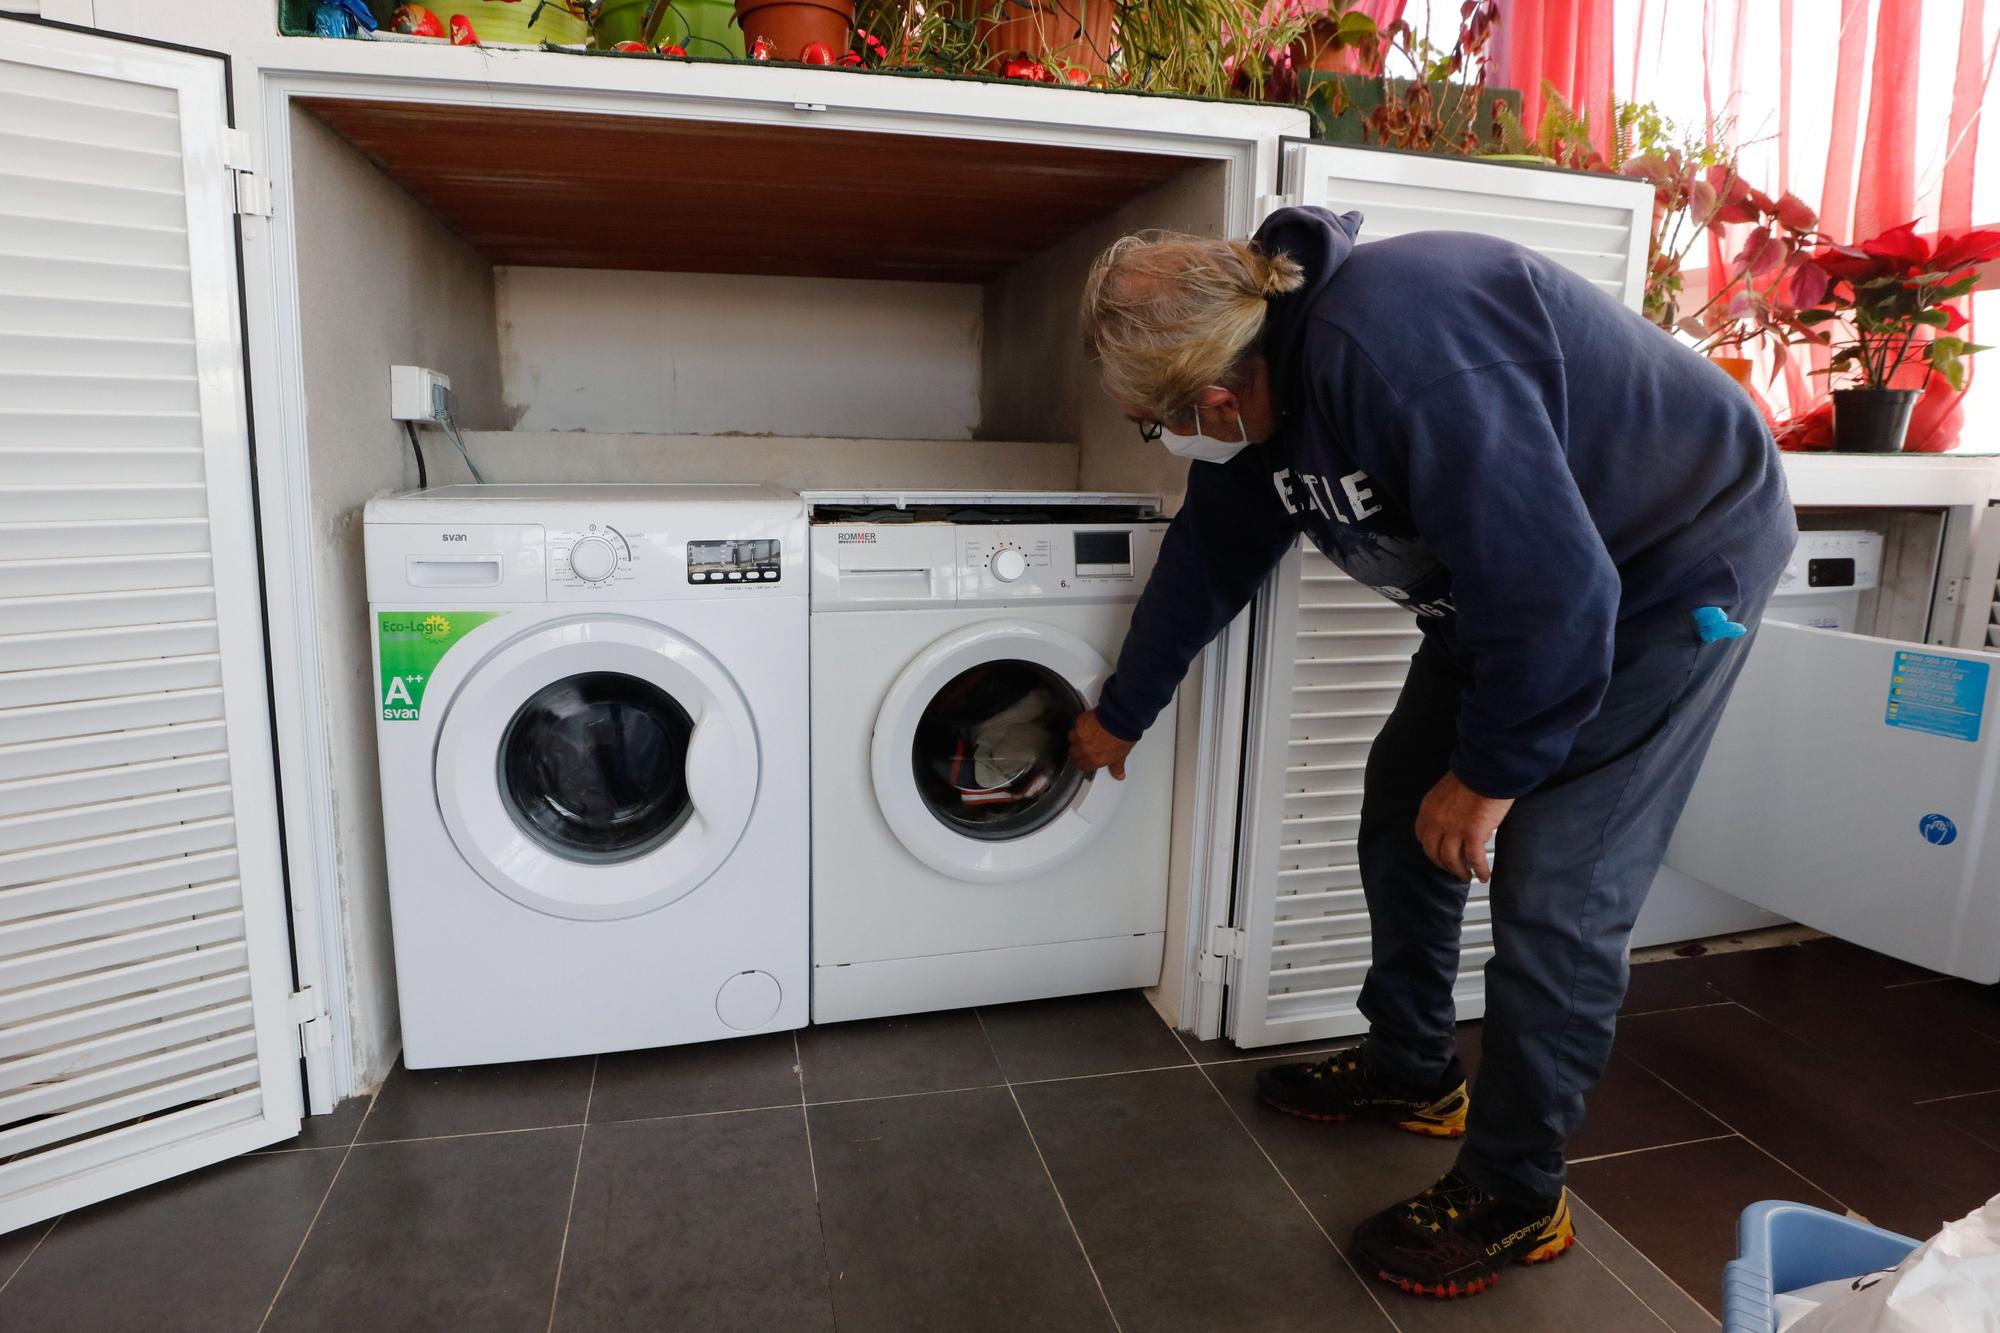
1571	868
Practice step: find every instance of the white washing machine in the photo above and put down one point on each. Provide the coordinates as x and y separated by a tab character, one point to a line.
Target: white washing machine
958	857
593	739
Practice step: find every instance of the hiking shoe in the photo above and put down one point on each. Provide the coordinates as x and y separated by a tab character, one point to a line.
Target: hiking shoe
1454	1238
1341	1087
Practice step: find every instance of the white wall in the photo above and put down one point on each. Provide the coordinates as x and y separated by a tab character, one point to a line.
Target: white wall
381	281
712	354
800	464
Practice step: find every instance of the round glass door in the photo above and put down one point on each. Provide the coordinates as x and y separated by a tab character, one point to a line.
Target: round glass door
970	756
991	751
594	766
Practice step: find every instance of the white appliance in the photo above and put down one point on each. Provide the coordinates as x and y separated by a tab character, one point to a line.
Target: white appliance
958	857
1822	585
1820	588
593	746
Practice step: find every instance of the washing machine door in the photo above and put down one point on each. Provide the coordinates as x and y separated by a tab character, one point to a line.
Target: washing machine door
597	768
971	752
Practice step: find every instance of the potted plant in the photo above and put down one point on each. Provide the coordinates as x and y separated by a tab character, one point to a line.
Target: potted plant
1889	306
818	30
1444	106
1063	34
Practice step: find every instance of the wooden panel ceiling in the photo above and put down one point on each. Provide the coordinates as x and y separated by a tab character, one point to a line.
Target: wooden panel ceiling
622	192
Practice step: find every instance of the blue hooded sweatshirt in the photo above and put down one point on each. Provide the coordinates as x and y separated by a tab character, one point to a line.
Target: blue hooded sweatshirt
1487	438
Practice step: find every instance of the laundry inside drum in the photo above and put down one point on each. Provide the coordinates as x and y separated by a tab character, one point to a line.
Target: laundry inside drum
991	753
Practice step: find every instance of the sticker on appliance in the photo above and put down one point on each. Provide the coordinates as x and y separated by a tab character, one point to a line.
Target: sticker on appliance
1938	695
412	643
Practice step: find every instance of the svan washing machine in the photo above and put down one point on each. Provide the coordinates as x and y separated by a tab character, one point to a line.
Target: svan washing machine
592	724
959	858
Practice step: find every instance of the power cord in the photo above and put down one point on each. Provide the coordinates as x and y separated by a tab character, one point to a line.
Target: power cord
423	477
451	432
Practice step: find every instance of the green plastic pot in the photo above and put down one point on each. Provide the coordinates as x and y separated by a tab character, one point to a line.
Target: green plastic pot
701	27
517	22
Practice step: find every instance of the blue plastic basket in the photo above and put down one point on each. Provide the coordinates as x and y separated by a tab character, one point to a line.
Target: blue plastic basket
1785	1246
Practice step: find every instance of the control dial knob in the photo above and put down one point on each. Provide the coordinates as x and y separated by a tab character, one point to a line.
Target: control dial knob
593	559
1008	565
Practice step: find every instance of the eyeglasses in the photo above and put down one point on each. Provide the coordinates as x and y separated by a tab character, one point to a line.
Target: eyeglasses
1150	431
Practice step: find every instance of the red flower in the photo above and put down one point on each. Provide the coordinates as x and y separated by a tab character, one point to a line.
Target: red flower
1902	246
1845	263
1966	248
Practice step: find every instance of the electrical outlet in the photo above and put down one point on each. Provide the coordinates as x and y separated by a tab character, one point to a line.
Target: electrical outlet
417	394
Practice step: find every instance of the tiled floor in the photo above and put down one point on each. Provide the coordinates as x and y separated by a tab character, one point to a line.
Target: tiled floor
1054	1166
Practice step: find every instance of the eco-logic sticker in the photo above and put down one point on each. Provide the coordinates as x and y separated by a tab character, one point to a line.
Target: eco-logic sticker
412	644
1943	696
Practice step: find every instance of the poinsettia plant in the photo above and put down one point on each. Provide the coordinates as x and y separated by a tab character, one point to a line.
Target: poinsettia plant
1887	292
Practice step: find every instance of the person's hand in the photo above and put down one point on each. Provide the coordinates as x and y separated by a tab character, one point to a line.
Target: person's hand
1455	823
1091	747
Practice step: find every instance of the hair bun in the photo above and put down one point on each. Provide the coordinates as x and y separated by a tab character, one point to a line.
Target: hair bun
1277	274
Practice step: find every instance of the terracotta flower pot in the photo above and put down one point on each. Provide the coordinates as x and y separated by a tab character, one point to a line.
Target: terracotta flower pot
790	26
1872	421
1737	368
1315	50
1075	34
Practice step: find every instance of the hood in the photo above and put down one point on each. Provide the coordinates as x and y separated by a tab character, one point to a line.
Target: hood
1320	240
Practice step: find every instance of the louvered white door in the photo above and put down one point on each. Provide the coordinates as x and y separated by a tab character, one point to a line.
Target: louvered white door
1595	225
1331	655
144	960
1981	626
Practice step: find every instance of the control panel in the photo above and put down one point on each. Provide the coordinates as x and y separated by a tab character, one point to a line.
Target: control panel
877	564
593	557
755	560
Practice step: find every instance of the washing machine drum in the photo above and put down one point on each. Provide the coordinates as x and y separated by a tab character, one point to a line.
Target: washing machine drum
971	752
596	769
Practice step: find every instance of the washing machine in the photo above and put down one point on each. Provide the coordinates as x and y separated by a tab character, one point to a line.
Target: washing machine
592	726
959	858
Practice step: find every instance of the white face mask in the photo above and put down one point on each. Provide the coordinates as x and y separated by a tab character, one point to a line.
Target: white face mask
1204	448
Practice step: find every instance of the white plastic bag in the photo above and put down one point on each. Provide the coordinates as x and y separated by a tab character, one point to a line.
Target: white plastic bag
1949	1284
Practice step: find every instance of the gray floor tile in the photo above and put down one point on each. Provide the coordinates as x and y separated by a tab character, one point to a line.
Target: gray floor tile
691	1080
478	1099
1346	1173
887	1057
1628	1109
1690	1233
701	1222
1813	1110
335	1129
938	1215
1139	1158
459	1233
1677	1309
1084	1034
203	1252
17	1245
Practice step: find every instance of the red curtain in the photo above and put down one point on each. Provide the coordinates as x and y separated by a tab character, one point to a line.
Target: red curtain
1570	43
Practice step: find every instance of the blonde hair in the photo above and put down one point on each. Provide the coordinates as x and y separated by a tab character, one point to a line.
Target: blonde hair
1167	315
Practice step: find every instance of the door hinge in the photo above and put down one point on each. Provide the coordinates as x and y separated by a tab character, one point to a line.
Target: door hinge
236	151
253	195
302	1009
1227	942
1954	591
1268	204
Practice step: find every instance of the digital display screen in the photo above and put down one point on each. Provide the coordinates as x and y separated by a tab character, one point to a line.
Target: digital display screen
1830	573
753	560
1104	548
